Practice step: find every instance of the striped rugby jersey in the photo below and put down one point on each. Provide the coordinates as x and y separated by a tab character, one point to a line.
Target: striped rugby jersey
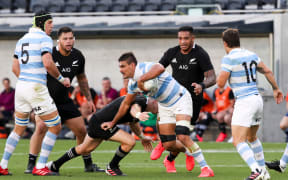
29	51
169	90
242	65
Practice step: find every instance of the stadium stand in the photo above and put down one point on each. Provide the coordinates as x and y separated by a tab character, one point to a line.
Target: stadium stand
103	5
55	6
119	5
152	5
87	5
72	6
38	5
136	5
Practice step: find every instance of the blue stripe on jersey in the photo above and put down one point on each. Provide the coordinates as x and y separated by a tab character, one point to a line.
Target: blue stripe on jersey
163	87
46	49
142	67
35	40
236	61
31	80
183	92
235	85
174	91
246	91
32	53
32	65
132	87
39	76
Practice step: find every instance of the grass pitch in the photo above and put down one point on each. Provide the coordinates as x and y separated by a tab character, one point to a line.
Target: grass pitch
222	157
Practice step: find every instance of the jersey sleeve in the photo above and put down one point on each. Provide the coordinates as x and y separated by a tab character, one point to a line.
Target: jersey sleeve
166	58
17	51
226	64
46	45
205	61
132	85
82	63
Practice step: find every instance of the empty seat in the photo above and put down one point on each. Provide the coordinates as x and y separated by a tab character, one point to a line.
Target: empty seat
103	5
182	2
38	5
119	5
4	4
168	5
135	5
222	3
87	5
55	6
152	5
71	6
236	4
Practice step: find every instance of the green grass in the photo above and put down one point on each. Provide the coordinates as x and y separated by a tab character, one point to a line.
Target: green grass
222	157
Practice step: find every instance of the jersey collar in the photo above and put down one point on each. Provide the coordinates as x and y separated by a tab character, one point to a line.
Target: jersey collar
33	29
235	50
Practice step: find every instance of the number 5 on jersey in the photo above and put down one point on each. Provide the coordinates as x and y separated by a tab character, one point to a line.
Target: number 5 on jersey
24	52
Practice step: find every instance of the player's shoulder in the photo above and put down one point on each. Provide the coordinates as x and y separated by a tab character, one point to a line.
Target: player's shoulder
173	50
200	49
77	53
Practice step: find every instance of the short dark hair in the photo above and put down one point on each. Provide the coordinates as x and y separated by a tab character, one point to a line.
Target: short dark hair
186	28
6	79
129	57
231	37
64	29
106	78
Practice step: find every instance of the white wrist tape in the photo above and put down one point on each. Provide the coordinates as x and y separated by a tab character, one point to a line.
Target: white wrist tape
138	115
60	78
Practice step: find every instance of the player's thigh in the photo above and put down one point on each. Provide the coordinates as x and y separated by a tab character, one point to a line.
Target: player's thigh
77	126
88	145
167	129
123	137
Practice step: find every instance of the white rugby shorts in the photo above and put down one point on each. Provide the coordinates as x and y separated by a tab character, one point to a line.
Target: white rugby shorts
33	96
248	111
182	106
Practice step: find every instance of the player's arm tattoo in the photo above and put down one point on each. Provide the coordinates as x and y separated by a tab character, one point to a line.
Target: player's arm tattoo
210	78
84	87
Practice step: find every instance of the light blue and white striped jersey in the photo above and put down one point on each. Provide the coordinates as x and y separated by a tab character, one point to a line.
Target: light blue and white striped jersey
242	64
169	90
29	51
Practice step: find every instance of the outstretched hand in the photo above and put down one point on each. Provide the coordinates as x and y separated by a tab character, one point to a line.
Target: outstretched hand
197	88
278	96
147	143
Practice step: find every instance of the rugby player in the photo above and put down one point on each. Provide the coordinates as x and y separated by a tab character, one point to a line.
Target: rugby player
70	62
239	67
96	134
32	60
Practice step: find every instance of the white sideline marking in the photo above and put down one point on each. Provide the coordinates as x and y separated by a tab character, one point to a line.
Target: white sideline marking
218	151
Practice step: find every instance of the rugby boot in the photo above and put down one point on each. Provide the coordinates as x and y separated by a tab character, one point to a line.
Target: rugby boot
157	151
190	163
221	137
44	172
4	172
206	172
257	175
93	168
114	171
275	165
169	165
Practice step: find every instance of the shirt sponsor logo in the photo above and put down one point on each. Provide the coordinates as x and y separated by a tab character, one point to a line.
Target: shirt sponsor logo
74	63
57	64
184	67
174	60
66	69
192	61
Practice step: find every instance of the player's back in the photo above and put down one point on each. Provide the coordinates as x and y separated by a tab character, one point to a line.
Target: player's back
169	90
242	64
29	51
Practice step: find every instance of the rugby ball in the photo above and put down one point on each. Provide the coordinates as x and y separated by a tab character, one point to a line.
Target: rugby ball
151	86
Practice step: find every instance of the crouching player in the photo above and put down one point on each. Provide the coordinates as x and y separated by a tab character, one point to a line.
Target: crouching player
96	134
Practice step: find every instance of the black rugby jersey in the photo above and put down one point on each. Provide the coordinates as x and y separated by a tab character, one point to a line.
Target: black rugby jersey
108	112
68	66
187	68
